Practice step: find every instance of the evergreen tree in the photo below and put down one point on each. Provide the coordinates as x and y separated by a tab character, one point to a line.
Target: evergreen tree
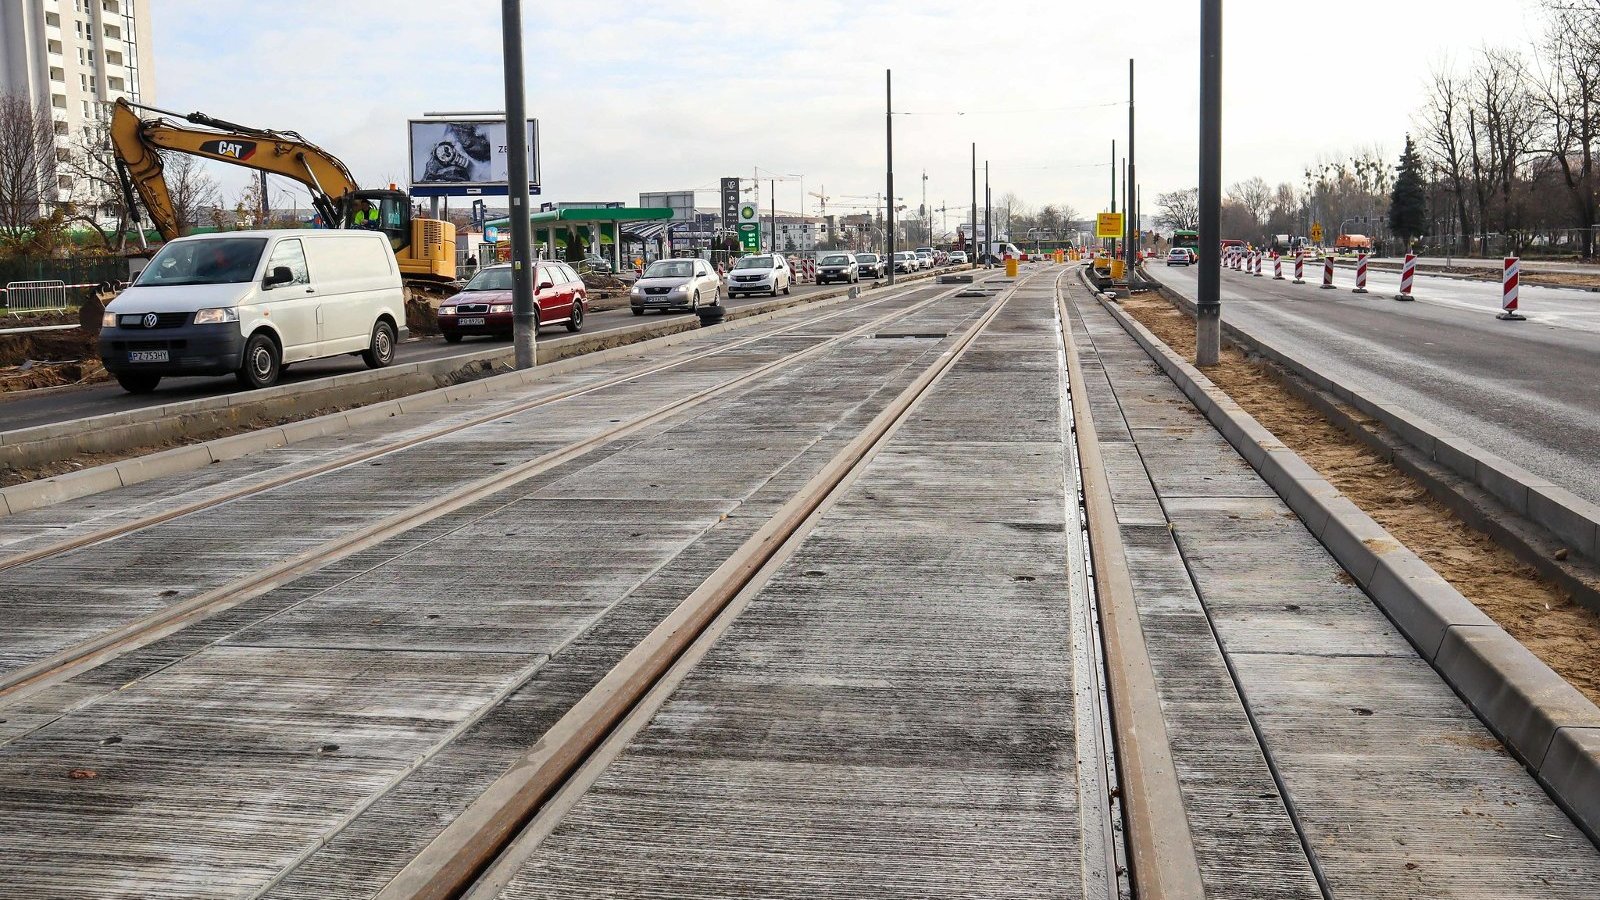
1408	206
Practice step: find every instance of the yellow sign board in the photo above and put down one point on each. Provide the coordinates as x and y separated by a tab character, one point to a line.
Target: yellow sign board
1316	232
1108	225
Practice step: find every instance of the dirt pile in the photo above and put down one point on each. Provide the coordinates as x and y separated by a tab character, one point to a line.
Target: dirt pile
1548	622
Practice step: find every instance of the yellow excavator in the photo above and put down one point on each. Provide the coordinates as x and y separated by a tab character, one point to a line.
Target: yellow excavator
425	248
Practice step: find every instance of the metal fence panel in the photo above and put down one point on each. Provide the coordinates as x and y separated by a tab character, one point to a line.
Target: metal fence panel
35	296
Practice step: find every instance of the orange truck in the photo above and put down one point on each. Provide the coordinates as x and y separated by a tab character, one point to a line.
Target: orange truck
1352	244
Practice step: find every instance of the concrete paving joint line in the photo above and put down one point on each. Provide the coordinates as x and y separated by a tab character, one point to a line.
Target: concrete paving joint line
46	492
85	655
1160	845
1575	521
1522	700
470	844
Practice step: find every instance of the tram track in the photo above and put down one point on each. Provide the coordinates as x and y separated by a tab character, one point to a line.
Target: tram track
573	751
84	655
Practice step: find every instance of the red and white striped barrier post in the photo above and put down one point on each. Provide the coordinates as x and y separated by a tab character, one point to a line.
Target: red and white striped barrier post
1509	290
1257	272
1408	274
1327	273
1277	266
1361	275
1299	268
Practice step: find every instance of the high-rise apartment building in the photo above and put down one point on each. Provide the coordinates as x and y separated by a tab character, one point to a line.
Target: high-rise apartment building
76	57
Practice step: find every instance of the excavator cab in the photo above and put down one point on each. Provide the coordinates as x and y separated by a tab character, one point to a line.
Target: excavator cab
393	210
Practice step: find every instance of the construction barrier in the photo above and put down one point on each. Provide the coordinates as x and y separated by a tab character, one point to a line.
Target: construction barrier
1257	272
1361	274
1509	291
1408	273
1327	273
1277	267
36	296
1300	268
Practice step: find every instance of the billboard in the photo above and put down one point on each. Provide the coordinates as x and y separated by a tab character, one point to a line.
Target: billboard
466	157
680	202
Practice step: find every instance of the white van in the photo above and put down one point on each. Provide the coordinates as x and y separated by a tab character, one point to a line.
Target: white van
251	302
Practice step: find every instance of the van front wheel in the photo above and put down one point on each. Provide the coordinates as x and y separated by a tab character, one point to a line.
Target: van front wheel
262	363
380	352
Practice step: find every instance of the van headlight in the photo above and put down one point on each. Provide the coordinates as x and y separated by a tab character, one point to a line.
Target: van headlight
216	316
108	320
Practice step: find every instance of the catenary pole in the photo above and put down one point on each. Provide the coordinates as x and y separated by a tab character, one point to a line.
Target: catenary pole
1130	239
888	124
1208	318
524	319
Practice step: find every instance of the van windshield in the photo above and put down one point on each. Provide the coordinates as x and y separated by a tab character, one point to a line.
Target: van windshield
219	261
490	280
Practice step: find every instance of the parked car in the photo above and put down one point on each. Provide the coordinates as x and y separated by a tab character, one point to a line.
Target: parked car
251	302
1178	256
596	264
765	274
675	284
906	261
958	257
870	265
484	306
837	267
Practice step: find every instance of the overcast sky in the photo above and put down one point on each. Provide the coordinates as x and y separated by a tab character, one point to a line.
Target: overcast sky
670	96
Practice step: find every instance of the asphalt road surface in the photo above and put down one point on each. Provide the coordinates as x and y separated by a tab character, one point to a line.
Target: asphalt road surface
99	399
1526	391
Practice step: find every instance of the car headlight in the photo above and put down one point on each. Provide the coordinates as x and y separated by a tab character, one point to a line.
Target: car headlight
681	289
447	310
637	292
108	320
216	316
500	308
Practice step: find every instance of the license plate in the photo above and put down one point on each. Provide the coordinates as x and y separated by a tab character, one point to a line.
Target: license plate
138	356
471	321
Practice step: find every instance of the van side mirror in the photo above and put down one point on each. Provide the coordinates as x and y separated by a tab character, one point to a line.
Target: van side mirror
280	275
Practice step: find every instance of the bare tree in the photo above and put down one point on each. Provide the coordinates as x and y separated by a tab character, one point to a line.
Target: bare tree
1565	96
1255	196
96	196
1501	125
1444	140
193	191
27	165
1179	209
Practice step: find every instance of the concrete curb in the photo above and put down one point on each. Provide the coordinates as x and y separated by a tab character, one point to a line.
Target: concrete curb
49	491
1559	511
1521	699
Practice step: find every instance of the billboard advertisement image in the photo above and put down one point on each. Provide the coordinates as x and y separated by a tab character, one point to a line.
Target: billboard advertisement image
465	157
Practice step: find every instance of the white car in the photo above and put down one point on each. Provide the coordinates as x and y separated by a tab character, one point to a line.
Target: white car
675	283
925	257
1177	256
250	302
906	261
958	257
768	273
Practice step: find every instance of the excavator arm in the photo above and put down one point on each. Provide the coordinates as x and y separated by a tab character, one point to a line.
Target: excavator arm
425	248
137	142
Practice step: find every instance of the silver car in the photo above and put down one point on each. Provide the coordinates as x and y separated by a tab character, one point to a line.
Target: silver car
675	284
837	267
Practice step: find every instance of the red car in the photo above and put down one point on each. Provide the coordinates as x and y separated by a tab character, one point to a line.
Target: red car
484	305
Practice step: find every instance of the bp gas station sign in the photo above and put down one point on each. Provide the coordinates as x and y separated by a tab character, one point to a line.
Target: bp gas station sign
749	228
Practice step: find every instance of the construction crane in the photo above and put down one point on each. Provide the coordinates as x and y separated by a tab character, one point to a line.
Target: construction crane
424	248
